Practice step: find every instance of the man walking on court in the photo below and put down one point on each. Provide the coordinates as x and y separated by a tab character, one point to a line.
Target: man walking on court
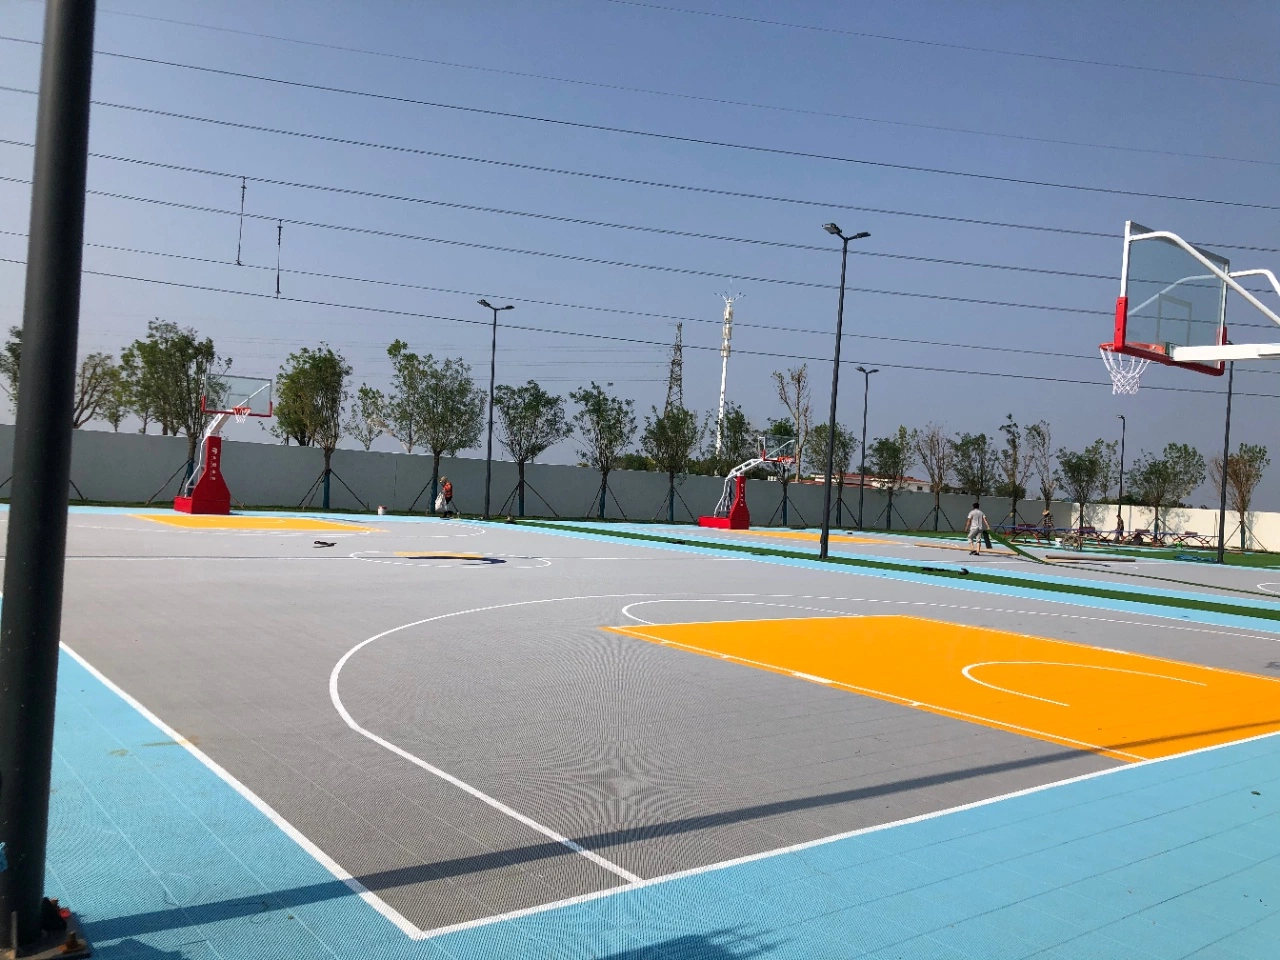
977	523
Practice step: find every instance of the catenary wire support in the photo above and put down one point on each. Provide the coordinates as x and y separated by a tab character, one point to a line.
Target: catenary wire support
240	235
279	239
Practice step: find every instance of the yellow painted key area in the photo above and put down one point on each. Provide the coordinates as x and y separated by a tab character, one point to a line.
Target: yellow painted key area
249	522
1123	705
813	537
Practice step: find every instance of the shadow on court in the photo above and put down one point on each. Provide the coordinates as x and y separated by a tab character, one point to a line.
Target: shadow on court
265	902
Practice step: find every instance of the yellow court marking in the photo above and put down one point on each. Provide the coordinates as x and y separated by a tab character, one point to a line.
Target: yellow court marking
204	521
947	546
1123	705
443	554
805	535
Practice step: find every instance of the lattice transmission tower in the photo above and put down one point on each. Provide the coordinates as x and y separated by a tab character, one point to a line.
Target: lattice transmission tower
675	373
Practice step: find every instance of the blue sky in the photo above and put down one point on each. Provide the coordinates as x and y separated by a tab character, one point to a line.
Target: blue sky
1158	119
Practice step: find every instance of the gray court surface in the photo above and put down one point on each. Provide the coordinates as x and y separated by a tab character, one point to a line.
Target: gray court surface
1255	584
492	715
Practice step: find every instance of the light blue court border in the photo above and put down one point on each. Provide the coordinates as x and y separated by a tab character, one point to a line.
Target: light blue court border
705	547
163	860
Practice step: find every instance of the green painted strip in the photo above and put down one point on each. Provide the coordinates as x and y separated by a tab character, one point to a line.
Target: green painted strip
1082	590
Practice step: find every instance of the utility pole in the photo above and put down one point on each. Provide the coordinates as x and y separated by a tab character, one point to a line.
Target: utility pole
729	300
31	621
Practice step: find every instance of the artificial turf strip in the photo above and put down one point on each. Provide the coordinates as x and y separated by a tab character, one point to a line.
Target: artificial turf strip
1183	603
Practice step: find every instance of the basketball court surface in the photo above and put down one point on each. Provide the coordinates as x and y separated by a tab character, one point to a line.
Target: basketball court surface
295	735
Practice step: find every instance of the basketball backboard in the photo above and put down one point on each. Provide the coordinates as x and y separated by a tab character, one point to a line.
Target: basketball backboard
241	396
1171	295
1172	307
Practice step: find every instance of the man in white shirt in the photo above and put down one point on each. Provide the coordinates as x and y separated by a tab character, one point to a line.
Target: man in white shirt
976	523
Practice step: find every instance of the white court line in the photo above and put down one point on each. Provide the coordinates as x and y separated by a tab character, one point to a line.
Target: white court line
289	830
416	933
1056	663
483	797
884	695
823	841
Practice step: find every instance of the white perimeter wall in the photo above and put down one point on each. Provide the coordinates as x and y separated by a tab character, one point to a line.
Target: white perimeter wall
131	468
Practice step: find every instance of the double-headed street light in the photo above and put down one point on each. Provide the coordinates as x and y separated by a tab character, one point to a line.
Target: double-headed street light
493	369
834	230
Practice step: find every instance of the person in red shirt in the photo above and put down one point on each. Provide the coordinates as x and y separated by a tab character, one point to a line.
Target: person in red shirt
446	494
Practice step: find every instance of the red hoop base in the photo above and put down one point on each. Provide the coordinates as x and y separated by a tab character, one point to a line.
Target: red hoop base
210	494
739	517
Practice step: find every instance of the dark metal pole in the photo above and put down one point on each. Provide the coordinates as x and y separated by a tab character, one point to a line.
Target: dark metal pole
488	453
824	540
1124	424
32	614
1226	455
862	450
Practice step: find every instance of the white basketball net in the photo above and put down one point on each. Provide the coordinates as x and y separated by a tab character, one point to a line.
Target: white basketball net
1126	371
241	413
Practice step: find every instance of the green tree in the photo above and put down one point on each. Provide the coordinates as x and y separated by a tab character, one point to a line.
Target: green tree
890	459
451	412
776	435
937	455
1040	448
530	420
816	459
366	422
118	402
311	388
1244	472
1014	462
1160	482
737	443
1083	474
669	440
606	425
10	360
402	410
975	464
95	378
793	393
173	367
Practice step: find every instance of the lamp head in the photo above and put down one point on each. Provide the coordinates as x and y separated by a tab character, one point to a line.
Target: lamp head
485	303
832	229
860	236
876	370
509	306
862	369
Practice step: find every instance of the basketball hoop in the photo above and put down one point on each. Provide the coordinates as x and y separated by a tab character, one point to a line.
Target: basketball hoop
241	413
1126	371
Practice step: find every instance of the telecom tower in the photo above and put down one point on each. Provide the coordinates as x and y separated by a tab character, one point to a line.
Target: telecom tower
729	299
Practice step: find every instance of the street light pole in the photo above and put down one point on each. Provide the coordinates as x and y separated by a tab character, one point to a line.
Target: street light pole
1119	493
825	538
493	369
862	451
1226	456
37	535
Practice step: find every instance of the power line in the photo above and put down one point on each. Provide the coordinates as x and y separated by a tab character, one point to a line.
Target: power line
742	195
578	258
475	293
1078	61
698	98
604	128
620	339
556	218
